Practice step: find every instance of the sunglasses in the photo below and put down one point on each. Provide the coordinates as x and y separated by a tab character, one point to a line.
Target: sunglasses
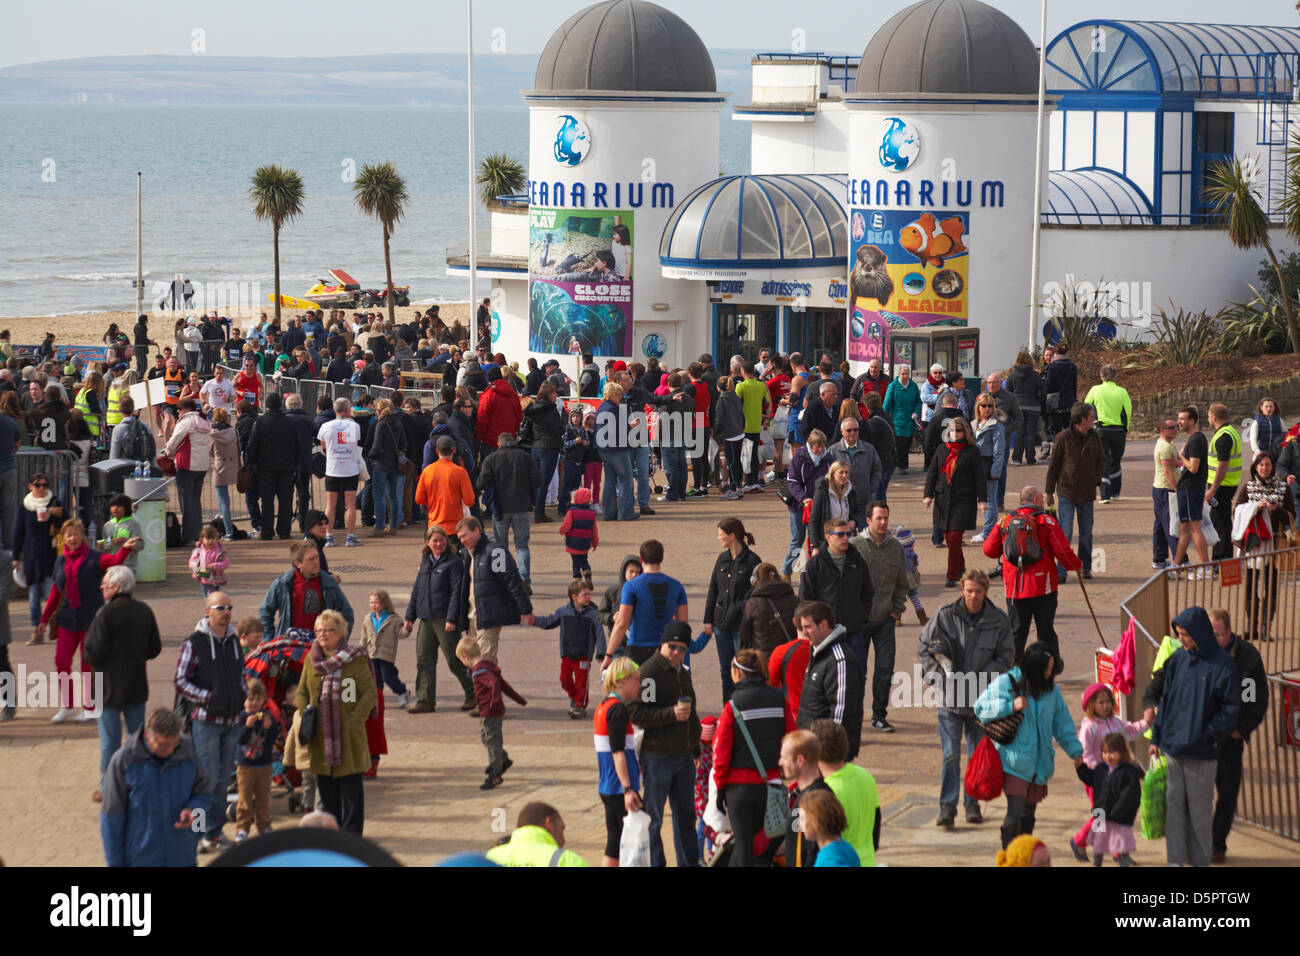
221	607
838	534
40	484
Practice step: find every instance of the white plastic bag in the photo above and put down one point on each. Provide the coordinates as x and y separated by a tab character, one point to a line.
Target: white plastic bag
634	846
1207	528
1173	516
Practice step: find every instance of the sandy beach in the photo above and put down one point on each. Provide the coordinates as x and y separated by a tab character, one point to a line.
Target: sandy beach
89	328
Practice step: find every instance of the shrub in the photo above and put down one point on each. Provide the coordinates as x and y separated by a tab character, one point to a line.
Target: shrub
1257	326
1185	338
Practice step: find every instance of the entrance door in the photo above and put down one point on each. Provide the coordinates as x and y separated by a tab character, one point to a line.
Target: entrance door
814	331
744	330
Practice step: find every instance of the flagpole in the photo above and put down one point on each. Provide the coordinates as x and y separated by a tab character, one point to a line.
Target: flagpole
473	237
1038	179
139	259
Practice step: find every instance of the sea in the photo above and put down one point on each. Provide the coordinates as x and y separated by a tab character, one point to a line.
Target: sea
68	195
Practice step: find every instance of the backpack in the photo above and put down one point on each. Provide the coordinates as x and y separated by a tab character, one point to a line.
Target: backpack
1020	545
136	447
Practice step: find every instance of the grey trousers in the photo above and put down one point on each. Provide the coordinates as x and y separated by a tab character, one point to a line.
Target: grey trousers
490	734
1189	811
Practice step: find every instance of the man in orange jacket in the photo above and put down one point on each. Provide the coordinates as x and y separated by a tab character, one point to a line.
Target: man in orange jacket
444	488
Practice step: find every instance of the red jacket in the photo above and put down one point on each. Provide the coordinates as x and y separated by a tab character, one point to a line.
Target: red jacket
799	651
499	412
1039	578
725	736
488	687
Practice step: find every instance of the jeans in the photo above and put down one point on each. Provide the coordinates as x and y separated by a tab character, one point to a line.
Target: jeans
520	523
253	500
1113	438
641	460
110	730
991	512
547	459
1227	784
38	592
675	467
1066	510
1026	437
215	747
276	489
386	673
951	726
345	798
388	501
189	486
881	636
735	476
726	642
1163	544
223	506
672	779
856	642
617	503
881	488
8	505
1002	492
797	532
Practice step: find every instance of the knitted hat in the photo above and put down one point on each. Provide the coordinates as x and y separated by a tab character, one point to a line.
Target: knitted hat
708	726
1020	850
619	366
1090	692
677	631
582	496
904	536
314	518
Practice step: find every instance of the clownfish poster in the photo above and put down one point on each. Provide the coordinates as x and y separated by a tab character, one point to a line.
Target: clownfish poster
908	269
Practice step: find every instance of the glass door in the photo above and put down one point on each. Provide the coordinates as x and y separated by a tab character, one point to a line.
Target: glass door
744	330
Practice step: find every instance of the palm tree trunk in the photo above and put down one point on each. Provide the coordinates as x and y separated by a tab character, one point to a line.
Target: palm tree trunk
275	227
388	269
1292	328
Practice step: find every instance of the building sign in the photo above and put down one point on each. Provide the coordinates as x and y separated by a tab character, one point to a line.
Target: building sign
900	144
907	270
600	194
580	281
572	140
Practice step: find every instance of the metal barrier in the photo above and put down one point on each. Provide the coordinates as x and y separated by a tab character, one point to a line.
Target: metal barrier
1262	595
58	466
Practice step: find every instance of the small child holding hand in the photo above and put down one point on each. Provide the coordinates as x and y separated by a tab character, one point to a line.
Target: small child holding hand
581	636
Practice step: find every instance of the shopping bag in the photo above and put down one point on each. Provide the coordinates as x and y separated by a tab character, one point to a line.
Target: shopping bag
1173	516
634	845
1153	799
984	772
1208	529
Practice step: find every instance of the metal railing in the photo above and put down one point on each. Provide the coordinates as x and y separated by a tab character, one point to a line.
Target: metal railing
1261	593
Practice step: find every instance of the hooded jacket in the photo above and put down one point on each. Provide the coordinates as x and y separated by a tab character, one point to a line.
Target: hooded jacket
1201	703
191	443
728	586
1029	756
833	687
581	635
48	424
122	638
210	675
879	430
499	412
489	686
1027	386
143	800
612	598
1076	465
225	455
1061	377
974	652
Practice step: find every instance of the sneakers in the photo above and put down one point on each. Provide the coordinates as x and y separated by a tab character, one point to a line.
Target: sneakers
352	542
978	538
210	843
577	713
1103	501
1159	565
731	496
329	541
698	493
664	498
241	836
64	714
947	817
882	725
87	717
404	700
377	532
648	510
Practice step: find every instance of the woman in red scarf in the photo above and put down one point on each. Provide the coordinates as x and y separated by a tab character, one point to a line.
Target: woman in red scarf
75	595
955	485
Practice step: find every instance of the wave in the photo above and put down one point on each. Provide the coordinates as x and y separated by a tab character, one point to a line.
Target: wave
95	276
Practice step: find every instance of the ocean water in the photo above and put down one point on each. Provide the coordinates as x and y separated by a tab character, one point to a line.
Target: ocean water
67	191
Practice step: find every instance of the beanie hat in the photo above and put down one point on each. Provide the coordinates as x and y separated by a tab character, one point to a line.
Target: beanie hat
1091	691
708	726
493	373
619	366
678	631
904	536
314	517
582	496
1019	851
274	403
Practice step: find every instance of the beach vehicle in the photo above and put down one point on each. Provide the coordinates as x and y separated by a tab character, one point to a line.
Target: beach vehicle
344	292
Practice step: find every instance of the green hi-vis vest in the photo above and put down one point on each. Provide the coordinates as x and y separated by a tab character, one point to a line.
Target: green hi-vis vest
91	419
1232	477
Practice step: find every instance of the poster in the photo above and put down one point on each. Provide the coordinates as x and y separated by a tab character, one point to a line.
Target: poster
580	281
907	270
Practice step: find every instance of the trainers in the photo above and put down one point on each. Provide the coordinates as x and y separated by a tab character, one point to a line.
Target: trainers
404	700
947	817
978	538
329	541
352	542
65	713
87	717
882	725
241	836
489	783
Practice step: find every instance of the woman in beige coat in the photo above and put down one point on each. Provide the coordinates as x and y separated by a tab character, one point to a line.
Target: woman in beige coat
225	464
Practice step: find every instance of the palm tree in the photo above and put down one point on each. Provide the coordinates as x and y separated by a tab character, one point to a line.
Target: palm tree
380	191
1232	191
277	196
499	175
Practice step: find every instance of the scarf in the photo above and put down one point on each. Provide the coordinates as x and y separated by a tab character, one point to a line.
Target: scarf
817	459
72	562
937	382
331	695
954	451
32	503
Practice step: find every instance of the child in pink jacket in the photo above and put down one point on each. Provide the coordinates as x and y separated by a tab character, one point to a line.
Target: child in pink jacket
209	561
1098	720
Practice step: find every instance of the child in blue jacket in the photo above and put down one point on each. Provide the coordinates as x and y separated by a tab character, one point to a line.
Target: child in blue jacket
581	636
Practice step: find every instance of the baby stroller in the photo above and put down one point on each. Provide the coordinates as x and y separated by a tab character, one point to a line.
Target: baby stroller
278	664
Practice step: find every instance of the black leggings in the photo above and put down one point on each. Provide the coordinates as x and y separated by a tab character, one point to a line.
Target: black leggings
1019	819
700	463
746	807
902	448
614	813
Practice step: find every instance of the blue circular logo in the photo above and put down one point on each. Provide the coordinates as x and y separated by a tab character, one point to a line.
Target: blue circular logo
496	325
900	145
572	140
654	346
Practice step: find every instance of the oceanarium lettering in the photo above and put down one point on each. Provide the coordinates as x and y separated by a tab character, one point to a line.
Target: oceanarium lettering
929	192
600	195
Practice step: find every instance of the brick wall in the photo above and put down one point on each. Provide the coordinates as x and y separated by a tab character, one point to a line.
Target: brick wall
1241	402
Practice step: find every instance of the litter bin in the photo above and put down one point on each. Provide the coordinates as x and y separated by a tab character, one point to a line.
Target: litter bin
107	478
150	509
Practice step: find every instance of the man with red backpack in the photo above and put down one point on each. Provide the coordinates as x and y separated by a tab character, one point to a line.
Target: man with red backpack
1030	542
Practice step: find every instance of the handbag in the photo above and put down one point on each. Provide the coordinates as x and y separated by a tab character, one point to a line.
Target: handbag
308	725
1003	729
167	465
243	480
776	814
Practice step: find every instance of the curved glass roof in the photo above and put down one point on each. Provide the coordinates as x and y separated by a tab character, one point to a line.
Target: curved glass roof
1094	197
776	221
1148	56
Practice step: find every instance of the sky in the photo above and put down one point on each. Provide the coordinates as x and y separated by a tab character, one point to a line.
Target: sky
61	29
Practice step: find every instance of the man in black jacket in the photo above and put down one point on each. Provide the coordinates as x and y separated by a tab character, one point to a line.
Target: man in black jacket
832	685
1254	707
305	424
513	477
417	426
494	595
821	411
666	711
273	456
839	576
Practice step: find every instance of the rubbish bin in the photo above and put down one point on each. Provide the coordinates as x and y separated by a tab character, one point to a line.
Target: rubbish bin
150	509
107	478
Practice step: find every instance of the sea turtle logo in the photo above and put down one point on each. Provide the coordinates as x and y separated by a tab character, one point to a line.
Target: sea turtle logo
654	346
572	141
900	146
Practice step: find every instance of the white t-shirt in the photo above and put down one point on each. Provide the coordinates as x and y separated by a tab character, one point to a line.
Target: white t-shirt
218	394
341	439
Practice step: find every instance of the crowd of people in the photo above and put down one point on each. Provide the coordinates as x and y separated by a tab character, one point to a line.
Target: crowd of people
477	465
